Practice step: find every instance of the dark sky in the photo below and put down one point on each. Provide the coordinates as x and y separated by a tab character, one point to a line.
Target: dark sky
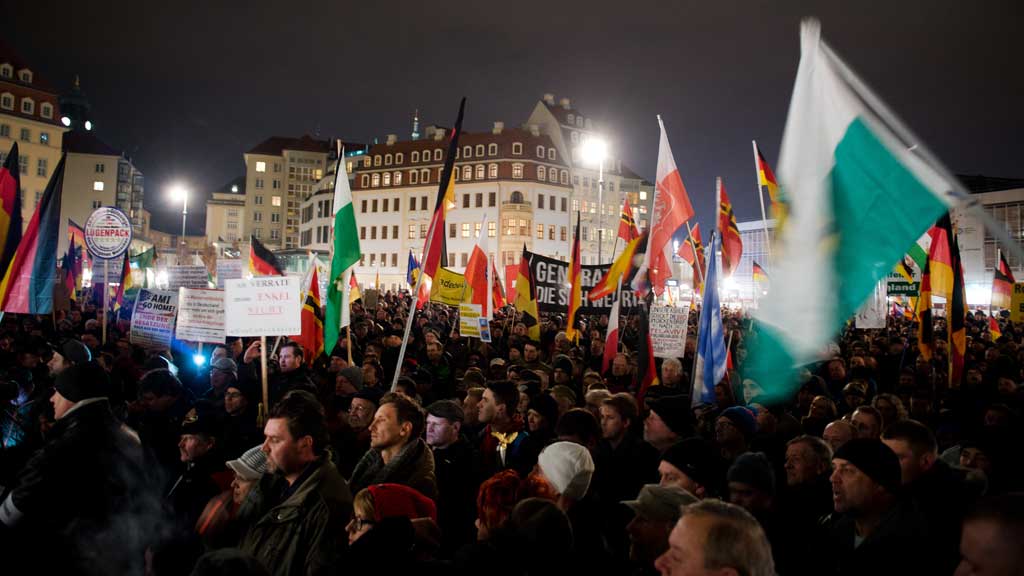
187	86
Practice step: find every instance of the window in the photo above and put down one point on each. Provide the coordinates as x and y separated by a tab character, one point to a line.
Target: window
575	180
362	232
492	198
413	177
373	205
257	216
467	151
23	166
373	232
373	259
576	205
586	233
275	217
540	231
364	181
28	106
517	148
643	195
277	167
46	110
387	178
375	180
479	200
397	178
464	258
26	135
259	182
275	184
387	159
96	204
465	200
384	208
7	101
383	232
261	166
258	200
367	162
517	171
565	177
5	130
275	200
97	186
41	167
275	234
6	71
467	172
542	173
452	230
377	160
492	149
551	232
44	138
551	153
575	137
362	206
394	259
423	203
399	158
540	151
480	171
437	155
412	231
516	197
479	150
25	76
424	176
414	156
258	233
564	234
540	201
465	230
565	205
395	205
423	230
412	202
492	171
492	229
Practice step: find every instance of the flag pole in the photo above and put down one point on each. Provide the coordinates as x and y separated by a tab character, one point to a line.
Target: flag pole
264	407
760	196
412	308
693	245
999	264
106	296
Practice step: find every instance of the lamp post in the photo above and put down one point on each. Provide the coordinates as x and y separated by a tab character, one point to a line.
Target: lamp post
180	193
594	151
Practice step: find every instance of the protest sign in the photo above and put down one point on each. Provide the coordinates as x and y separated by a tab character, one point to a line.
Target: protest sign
469	320
550	279
153	318
107	271
370	297
229	270
200	315
873	312
1017	303
897	285
448	287
186	277
668	330
263	306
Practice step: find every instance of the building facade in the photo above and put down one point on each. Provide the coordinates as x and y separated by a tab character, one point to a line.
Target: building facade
225	214
316	221
1002	199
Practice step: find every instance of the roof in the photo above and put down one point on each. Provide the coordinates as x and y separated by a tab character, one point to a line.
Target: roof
86	142
226	188
978	183
504	141
275	145
562	114
10	56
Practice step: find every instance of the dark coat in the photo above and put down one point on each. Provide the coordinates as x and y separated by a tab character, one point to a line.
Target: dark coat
87	490
898	546
239	433
194	488
944	496
305	533
413	467
456	502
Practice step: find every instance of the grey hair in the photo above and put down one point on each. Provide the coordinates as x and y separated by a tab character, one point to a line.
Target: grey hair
734	539
822	451
673	361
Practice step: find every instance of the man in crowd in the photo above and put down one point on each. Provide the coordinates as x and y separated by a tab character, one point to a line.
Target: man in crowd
453	461
992	535
668	422
292	373
692	465
202	465
866	422
397	453
69	353
713	537
838	433
504	442
656	510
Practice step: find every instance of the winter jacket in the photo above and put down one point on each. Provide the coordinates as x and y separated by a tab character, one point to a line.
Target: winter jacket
305	533
456	503
899	545
413	466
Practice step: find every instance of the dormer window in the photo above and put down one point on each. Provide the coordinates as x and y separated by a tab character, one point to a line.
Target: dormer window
399	158
7	101
415	156
479	150
46	110
25	76
28	106
6	71
517	148
492	149
571	118
551	153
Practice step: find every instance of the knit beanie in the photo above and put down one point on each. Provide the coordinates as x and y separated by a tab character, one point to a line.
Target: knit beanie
83	381
696	458
354	375
743	419
876	460
547	407
675	411
568	467
753	469
396	500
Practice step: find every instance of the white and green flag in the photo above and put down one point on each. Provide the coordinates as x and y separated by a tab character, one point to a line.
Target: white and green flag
859	199
346	254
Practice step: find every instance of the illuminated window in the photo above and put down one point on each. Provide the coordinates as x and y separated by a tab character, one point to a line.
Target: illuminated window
492	229
97	186
275	200
261	166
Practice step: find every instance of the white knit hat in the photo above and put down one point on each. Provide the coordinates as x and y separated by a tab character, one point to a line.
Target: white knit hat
250	465
568	467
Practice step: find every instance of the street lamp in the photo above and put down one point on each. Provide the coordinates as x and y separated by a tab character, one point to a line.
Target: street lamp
179	193
594	151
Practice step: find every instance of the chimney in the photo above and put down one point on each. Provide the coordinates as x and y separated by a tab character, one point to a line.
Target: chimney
565	103
549	99
534	129
392	138
498	127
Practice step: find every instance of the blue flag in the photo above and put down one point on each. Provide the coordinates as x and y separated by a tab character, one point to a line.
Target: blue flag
711	352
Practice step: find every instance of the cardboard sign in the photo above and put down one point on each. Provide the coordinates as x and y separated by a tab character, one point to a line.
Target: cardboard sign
550	278
469	320
1017	303
370	297
200	315
228	270
186	277
485	330
448	287
668	330
263	306
153	318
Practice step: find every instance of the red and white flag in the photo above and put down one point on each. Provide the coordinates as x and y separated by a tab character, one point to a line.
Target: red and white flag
478	278
672	209
611	342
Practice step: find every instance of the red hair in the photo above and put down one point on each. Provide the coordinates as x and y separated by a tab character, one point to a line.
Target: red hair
500	493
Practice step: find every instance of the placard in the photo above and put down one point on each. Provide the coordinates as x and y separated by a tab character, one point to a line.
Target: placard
153	318
469	320
897	285
448	287
112	267
485	329
263	306
200	315
108	232
228	270
187	277
668	330
551	284
1017	303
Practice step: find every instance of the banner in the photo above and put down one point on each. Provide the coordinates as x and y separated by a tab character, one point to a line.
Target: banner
897	285
873	312
448	287
550	277
470	316
229	270
262	306
153	318
186	277
668	330
200	315
1017	303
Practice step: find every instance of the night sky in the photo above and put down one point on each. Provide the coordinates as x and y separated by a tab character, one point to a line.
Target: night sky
186	87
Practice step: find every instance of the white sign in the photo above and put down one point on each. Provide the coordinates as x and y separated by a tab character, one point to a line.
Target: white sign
469	320
668	330
107	271
153	318
187	277
874	310
263	306
228	270
200	315
108	232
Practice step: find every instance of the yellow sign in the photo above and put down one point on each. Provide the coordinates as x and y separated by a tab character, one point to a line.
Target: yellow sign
448	287
1017	303
469	320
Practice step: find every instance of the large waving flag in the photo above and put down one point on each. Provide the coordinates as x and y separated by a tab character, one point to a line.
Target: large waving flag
1002	284
859	196
412	275
478	279
692	250
712	357
647	374
957	316
627	224
925	329
27	286
263	262
575	287
672	209
622	269
611	340
732	243
526	298
125	285
766	180
435	254
10	208
346	253
497	291
312	317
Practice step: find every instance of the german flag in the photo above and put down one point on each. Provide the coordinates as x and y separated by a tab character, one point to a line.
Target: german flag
575	289
694	257
993	328
957	318
766	179
940	258
1002	284
627	224
262	262
312	317
760	276
622	268
526	298
925	336
125	285
10	208
732	243
434	250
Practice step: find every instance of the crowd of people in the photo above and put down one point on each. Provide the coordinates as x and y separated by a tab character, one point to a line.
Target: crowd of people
519	456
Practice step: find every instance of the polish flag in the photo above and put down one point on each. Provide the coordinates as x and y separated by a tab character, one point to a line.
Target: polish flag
478	278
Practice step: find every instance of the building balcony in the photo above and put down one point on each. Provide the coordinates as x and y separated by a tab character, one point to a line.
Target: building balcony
517	206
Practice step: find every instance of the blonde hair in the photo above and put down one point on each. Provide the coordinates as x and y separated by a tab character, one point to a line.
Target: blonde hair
363	504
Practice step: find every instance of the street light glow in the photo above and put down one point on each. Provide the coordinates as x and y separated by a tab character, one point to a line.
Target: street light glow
594	151
179	193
